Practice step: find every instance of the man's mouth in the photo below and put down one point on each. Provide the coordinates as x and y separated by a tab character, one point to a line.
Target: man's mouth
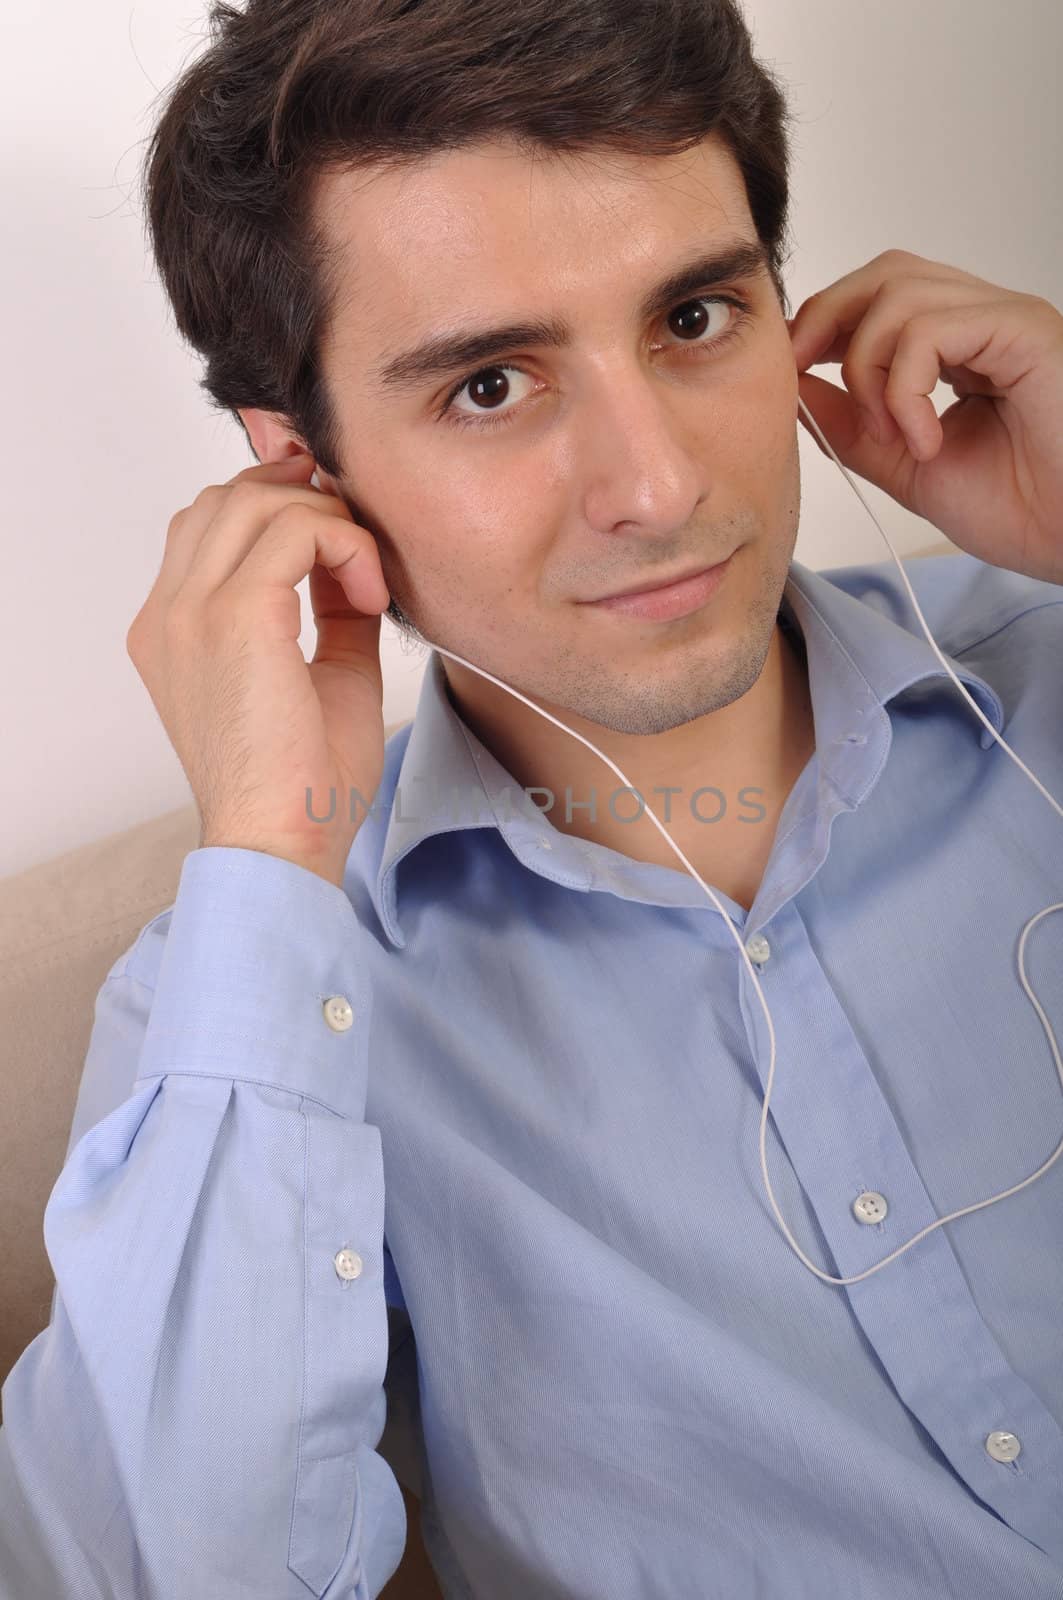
677	597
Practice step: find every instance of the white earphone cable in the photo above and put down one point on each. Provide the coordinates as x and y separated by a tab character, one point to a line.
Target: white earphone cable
992	1200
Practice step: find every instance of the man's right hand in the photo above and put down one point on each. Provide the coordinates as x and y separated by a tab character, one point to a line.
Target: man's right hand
216	643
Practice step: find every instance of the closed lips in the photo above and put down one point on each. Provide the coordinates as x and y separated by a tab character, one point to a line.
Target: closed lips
649	588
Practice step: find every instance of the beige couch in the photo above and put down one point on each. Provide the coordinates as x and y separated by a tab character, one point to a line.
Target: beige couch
62	926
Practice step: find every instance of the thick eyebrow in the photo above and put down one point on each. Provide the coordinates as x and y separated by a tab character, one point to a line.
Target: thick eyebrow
465	349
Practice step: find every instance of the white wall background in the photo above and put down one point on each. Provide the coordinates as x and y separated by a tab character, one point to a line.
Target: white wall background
926	125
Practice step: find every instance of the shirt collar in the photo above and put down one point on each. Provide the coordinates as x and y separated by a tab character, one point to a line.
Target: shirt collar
439	778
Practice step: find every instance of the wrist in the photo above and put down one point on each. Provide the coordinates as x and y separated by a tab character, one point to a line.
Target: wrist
319	863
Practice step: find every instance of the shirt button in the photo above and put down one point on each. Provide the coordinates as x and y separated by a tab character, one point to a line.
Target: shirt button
758	949
1002	1446
544	844
348	1263
338	1013
869	1206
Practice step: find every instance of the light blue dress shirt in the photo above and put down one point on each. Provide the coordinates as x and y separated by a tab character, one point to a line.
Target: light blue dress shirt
535	1067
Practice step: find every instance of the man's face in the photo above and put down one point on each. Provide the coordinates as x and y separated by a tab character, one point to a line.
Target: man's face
639	449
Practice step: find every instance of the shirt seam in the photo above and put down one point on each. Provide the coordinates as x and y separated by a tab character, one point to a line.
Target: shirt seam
958	650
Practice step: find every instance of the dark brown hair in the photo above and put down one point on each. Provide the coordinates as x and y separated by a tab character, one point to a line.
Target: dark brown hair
290	89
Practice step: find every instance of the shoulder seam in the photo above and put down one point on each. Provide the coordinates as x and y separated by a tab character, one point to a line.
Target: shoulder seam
1039	605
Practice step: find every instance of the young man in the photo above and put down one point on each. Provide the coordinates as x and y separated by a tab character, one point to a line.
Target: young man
486	1065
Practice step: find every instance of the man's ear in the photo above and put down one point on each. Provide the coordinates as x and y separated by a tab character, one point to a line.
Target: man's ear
270	436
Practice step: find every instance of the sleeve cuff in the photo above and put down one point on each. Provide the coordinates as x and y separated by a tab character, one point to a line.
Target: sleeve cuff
255	949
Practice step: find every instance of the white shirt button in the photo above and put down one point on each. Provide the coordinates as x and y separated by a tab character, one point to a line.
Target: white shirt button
338	1013
870	1206
758	949
1002	1446
348	1263
544	844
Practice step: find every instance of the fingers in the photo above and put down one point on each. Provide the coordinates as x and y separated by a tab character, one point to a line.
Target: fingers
289	468
898	328
878	351
263	527
299	536
328	598
822	325
237	520
188	527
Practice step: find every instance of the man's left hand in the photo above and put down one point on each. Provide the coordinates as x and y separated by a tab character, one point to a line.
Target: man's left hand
989	471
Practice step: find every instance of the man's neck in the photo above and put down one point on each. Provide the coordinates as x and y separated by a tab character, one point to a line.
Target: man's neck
760	743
